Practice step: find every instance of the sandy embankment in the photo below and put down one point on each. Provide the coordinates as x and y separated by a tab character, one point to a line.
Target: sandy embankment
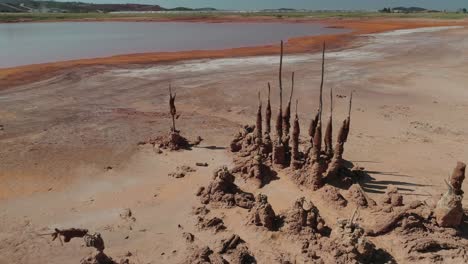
61	136
10	77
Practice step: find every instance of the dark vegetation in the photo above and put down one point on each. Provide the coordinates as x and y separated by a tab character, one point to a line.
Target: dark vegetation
408	10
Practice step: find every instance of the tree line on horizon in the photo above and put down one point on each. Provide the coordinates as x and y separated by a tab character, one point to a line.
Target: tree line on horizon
414	10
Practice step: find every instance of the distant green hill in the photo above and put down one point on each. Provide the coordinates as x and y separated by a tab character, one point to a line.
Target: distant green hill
17	6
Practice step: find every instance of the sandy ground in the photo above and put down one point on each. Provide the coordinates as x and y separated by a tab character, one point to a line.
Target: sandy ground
70	156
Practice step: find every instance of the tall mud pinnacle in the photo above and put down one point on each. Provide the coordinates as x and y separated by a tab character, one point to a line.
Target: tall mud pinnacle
329	129
287	112
279	119
268	113
318	130
172	108
258	125
279	149
348	120
313	126
295	137
321	84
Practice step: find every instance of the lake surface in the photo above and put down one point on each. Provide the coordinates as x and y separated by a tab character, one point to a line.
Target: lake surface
30	43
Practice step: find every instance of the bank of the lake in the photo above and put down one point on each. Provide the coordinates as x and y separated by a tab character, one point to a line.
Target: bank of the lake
350	28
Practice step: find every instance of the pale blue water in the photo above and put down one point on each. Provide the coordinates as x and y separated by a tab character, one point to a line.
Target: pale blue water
30	43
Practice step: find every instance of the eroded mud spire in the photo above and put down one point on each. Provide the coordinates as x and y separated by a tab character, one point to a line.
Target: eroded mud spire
348	119
287	111
279	118
318	130
313	126
279	149
268	113
321	84
295	139
258	125
329	129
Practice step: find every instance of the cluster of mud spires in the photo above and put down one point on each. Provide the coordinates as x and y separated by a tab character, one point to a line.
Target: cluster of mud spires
425	233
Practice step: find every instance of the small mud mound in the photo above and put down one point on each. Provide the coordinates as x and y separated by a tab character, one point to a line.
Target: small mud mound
204	255
333	197
181	172
216	224
229	243
392	197
356	195
172	141
127	219
244	141
303	218
253	159
349	244
242	255
98	258
101	258
236	251
222	191
254	169
449	210
262	214
311	175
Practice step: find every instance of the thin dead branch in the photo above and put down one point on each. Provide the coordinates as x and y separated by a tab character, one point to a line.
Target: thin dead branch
172	108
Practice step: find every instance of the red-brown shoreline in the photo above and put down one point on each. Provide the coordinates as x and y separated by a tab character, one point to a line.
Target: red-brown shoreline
10	77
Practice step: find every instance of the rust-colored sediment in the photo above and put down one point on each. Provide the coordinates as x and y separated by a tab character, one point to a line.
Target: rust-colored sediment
10	77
